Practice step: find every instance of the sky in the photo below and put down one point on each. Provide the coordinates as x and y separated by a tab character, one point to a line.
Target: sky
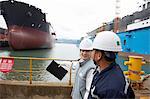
72	19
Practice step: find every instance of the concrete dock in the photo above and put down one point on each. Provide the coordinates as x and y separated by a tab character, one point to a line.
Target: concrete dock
45	90
36	90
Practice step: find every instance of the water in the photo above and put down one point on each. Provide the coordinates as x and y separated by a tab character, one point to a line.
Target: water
60	51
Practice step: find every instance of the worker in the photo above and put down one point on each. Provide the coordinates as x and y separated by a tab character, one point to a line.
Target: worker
86	65
108	80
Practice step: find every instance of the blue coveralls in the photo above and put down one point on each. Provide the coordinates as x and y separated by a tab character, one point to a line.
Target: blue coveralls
110	83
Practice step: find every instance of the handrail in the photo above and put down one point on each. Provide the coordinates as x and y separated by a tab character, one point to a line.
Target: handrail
35	58
38	58
30	62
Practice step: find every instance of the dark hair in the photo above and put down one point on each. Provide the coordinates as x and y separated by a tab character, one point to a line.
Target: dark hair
108	55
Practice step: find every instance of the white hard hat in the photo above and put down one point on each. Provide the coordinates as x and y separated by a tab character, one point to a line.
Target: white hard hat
107	41
86	44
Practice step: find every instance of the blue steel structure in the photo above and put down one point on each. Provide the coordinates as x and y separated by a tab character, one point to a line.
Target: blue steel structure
136	41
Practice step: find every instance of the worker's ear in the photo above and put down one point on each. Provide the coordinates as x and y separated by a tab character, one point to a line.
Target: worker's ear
99	55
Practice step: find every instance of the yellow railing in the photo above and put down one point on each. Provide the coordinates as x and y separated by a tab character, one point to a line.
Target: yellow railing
30	59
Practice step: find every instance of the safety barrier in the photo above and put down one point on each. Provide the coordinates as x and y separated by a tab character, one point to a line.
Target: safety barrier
30	63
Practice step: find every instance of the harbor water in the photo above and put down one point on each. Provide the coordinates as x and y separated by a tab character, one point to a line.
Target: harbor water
59	51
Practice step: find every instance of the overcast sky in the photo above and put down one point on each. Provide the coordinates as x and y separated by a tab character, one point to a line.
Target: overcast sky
74	18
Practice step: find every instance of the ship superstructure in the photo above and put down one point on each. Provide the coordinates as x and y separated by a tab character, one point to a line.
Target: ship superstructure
134	30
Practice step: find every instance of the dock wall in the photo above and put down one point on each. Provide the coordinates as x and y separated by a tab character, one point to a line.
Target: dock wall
24	90
44	90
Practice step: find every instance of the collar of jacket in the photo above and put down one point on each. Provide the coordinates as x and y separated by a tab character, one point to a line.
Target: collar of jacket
82	62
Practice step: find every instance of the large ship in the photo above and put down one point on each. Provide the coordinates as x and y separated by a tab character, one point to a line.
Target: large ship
134	31
27	26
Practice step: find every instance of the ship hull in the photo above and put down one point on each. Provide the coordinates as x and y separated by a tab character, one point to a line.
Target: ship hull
21	38
27	26
136	41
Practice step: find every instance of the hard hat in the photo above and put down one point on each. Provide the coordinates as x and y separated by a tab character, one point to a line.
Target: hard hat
107	41
86	44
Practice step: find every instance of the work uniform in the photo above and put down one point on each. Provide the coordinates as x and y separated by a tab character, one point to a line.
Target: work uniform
79	87
110	83
89	79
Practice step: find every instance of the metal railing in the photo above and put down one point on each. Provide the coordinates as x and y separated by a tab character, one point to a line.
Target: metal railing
30	59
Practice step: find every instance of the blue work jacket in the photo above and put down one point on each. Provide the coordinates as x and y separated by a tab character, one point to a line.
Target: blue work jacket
110	83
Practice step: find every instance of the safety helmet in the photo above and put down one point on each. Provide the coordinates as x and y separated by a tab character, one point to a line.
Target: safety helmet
107	41
86	44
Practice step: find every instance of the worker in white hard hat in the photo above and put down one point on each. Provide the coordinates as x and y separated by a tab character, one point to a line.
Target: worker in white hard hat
108	80
85	66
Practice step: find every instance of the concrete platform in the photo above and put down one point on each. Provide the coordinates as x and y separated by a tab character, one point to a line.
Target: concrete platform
37	90
47	90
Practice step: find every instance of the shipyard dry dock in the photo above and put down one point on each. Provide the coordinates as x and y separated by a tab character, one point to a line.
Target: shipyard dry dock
42	90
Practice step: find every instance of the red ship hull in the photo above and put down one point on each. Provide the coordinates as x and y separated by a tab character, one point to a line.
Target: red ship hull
21	38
